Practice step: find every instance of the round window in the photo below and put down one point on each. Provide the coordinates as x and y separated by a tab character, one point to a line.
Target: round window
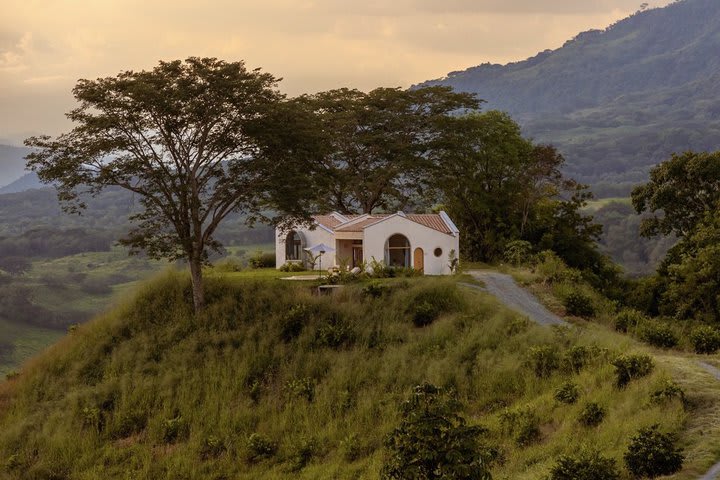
438	252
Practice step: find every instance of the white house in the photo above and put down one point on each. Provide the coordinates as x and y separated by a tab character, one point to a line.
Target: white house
421	241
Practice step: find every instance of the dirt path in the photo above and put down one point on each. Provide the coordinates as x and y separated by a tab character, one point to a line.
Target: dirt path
504	288
511	294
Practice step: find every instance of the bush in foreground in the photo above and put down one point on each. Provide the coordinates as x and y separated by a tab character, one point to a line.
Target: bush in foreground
652	453
433	440
584	466
567	393
592	415
658	335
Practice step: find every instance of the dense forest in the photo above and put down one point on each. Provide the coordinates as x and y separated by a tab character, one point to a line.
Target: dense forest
616	101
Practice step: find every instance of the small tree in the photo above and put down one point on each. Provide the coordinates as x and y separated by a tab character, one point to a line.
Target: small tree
433	440
652	453
195	140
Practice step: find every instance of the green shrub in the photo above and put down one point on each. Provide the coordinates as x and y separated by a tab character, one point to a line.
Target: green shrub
658	334
424	313
259	447
652	453
666	392
301	388
705	339
175	429
543	360
433	440
293	322
631	367
522	424
579	304
128	423
375	289
576	358
263	260
567	393
517	252
212	447
292	267
591	415
335	333
430	302
628	319
302	452
584	466
352	448
92	418
13	462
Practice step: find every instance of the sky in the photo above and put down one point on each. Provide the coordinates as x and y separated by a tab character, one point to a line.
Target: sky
314	45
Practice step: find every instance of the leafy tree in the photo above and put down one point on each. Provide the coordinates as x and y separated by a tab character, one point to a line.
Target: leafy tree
433	440
194	140
376	144
684	189
500	188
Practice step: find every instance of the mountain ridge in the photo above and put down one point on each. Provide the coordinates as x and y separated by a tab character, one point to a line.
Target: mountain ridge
615	101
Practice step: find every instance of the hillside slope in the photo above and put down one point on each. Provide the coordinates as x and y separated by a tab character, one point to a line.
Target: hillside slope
619	100
148	391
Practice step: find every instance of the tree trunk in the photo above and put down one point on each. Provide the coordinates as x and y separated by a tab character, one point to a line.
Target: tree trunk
196	279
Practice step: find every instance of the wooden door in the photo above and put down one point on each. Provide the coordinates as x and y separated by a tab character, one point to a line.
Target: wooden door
419	260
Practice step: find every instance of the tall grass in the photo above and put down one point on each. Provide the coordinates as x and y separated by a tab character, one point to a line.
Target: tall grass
151	391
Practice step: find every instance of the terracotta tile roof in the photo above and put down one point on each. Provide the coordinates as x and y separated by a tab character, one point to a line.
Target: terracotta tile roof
330	221
432	220
360	226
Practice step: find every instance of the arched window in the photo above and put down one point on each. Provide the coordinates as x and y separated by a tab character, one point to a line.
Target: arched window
293	247
397	251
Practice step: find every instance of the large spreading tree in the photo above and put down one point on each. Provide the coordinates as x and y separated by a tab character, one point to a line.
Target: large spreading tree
377	145
195	140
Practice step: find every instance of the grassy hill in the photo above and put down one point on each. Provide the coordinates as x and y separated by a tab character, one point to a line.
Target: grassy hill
273	382
619	100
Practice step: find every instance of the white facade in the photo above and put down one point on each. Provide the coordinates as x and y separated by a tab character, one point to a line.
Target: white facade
421	241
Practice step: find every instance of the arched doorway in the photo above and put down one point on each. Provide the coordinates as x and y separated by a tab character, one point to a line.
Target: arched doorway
397	251
419	260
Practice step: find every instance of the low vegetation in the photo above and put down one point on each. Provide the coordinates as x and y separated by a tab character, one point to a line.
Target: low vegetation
271	381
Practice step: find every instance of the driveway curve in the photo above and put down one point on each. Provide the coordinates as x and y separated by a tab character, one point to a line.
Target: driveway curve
511	294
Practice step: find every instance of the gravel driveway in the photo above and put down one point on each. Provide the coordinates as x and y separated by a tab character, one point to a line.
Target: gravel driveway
511	294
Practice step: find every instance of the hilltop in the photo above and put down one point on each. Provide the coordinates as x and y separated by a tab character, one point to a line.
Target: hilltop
272	382
619	100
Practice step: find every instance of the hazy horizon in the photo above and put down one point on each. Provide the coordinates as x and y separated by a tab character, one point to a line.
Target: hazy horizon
314	45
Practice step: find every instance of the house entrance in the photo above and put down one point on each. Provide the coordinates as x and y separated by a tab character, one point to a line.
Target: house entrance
357	254
419	260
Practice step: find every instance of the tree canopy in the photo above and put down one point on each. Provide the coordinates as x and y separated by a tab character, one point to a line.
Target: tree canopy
195	140
376	144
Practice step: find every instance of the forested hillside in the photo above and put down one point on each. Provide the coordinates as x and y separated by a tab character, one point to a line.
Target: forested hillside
619	100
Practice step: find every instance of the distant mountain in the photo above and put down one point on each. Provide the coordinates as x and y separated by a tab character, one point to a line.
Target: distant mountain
619	100
26	182
12	163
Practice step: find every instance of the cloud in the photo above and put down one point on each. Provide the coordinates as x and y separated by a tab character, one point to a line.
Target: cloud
45	46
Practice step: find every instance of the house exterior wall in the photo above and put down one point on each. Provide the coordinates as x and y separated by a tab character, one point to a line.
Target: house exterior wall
419	236
312	238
